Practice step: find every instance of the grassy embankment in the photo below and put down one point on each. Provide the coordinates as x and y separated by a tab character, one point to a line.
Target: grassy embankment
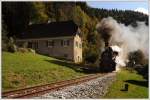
21	70
138	87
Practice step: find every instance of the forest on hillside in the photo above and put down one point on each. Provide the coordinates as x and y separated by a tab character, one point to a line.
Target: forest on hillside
16	16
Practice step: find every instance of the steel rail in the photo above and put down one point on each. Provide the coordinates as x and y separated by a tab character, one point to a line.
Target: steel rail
42	89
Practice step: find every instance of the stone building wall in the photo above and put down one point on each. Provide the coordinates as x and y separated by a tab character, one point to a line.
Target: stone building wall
70	52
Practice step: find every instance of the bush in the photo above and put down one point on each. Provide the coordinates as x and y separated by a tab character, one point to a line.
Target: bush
91	57
31	50
25	50
22	50
12	48
143	71
25	45
135	58
11	45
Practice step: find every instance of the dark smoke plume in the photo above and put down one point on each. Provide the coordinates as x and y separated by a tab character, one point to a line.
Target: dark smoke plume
105	31
127	38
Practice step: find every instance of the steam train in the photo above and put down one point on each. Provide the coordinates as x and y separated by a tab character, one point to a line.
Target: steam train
107	60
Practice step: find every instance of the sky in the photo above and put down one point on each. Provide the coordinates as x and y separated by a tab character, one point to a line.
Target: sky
141	6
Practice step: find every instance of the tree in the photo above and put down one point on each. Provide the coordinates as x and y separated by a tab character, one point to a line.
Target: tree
4	36
91	56
39	14
80	17
136	57
16	16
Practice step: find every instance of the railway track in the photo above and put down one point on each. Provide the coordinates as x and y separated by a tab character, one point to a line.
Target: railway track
42	89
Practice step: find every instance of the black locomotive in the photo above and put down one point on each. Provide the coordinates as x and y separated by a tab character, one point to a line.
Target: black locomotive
107	60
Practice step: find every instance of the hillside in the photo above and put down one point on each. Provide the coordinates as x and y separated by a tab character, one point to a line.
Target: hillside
21	70
17	16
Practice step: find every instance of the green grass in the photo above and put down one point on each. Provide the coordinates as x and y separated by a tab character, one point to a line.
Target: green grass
20	70
137	86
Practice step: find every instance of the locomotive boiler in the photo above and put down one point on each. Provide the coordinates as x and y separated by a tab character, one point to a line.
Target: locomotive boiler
107	60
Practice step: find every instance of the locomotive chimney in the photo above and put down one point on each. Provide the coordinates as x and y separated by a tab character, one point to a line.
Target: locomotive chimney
106	44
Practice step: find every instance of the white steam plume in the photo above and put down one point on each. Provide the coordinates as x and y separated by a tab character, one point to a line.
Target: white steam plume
119	60
128	38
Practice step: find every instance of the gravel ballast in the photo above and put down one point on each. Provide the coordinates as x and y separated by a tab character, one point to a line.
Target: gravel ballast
95	88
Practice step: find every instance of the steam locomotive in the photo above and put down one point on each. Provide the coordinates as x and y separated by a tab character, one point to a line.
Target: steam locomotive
107	60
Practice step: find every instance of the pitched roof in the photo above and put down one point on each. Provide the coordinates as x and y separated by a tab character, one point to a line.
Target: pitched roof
53	29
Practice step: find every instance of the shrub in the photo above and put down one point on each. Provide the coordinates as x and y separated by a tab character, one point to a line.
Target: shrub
12	48
11	45
22	50
25	45
25	50
135	58
31	50
143	71
91	57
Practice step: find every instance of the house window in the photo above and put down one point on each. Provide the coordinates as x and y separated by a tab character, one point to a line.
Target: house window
36	45
76	44
33	44
65	42
78	59
50	43
65	55
68	42
61	42
80	45
29	44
